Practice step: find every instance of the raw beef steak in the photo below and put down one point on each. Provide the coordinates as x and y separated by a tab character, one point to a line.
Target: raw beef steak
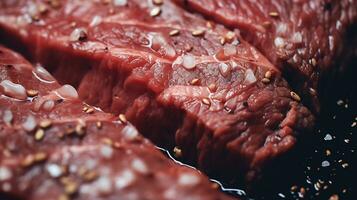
306	39
222	105
54	146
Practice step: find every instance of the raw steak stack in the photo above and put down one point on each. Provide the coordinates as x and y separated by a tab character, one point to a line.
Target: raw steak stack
54	146
221	104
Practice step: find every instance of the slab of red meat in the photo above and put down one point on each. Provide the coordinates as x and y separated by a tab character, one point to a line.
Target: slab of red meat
224	106
305	38
53	146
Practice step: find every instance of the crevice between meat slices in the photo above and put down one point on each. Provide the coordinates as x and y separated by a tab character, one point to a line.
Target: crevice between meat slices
187	90
60	150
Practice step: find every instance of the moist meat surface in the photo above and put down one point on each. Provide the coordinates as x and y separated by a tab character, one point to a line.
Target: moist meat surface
306	39
220	102
53	146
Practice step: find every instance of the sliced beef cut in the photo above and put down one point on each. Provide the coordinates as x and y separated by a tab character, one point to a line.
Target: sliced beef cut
222	105
54	146
306	39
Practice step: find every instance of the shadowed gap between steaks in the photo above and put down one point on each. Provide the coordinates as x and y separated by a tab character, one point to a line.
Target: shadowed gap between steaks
224	106
307	40
54	146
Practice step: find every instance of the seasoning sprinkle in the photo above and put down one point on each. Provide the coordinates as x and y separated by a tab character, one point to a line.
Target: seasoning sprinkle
39	157
293	188
295	96
209	24
32	93
155	12
122	118
344	165
325	163
35	17
99	125
222	40
302	192
85	108
174	32
274	14
268	74
334	197
198	32
42	8
206	101
158	2
195	81
32	159
317	186
80	129
327	136
265	80
89	110
40	134
177	152
71	188
313	62
46	123
312	91
230	35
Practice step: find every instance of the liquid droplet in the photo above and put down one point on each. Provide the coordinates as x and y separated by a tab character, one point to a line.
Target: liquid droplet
43	75
14	90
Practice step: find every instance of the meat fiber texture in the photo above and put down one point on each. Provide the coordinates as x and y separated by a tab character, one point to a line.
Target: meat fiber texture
224	106
54	146
306	39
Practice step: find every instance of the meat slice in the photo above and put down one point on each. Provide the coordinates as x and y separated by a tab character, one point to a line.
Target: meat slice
305	39
222	105
54	146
